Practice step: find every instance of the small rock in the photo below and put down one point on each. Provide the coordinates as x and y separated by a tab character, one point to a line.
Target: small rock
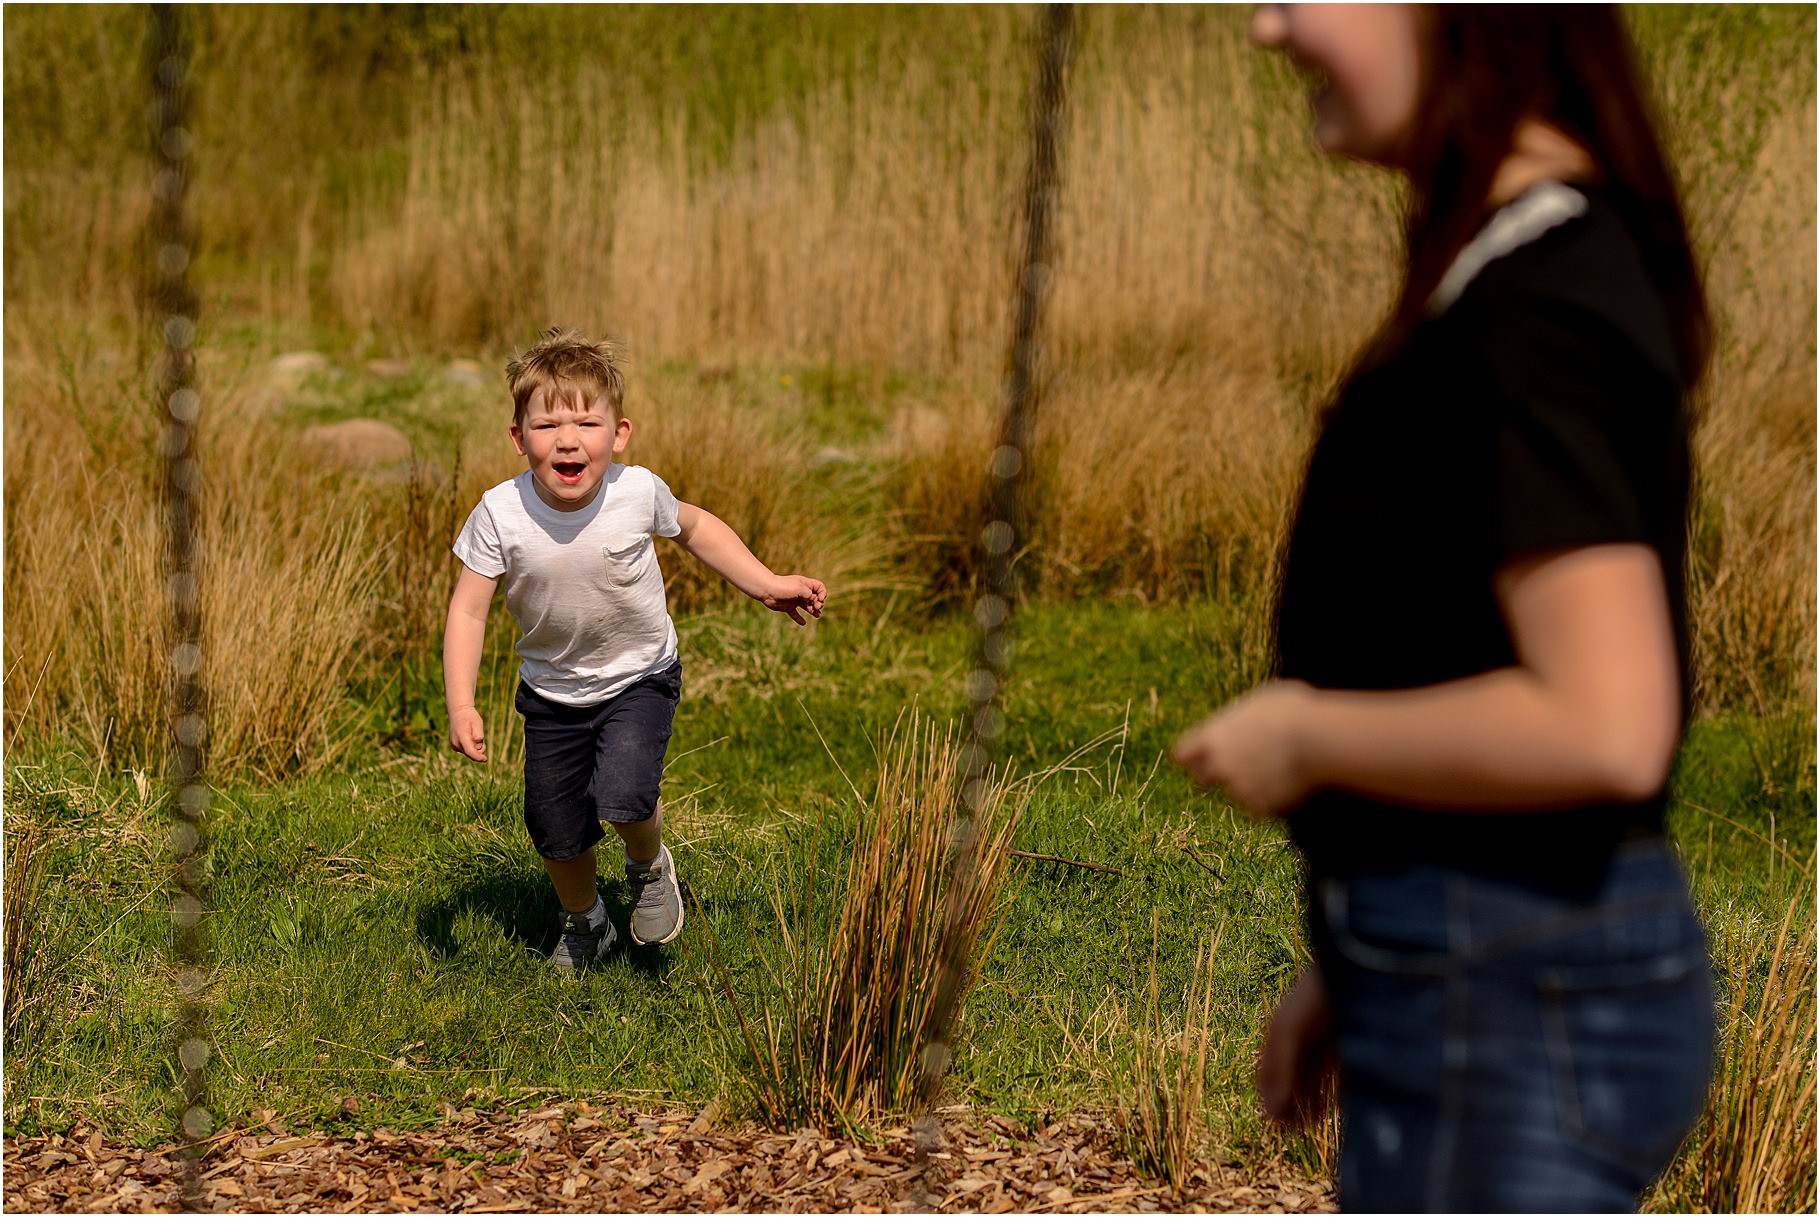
299	363
359	443
466	371
288	372
915	428
389	369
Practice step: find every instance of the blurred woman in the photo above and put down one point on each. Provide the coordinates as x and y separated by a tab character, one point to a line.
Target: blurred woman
1481	633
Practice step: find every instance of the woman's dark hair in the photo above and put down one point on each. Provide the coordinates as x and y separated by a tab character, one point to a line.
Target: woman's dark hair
1485	68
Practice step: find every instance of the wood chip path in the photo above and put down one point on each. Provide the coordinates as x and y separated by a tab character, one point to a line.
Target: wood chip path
582	1157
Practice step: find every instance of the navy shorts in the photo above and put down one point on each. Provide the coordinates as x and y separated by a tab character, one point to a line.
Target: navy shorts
585	764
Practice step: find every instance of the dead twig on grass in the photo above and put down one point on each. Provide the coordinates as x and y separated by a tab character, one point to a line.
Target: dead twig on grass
1093	866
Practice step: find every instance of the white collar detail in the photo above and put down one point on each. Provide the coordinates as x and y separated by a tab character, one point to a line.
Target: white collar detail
1540	208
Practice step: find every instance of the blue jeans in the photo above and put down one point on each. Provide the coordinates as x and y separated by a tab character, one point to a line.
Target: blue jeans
1504	1049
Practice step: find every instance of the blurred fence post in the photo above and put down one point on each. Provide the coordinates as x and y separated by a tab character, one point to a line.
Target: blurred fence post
1000	540
174	310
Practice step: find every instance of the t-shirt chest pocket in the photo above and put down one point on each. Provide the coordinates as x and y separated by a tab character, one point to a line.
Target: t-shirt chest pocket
623	561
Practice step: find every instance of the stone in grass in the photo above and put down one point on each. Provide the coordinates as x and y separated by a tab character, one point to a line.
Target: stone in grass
291	369
466	372
359	443
389	369
918	428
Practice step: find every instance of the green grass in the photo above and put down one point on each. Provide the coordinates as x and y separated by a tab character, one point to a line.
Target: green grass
381	933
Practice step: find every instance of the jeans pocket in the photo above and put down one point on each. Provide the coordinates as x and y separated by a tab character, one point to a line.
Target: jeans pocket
1631	1048
1392	924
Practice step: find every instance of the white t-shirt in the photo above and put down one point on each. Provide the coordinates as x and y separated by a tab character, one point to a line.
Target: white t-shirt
584	585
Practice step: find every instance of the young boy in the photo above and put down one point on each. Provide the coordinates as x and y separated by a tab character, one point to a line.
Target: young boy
571	539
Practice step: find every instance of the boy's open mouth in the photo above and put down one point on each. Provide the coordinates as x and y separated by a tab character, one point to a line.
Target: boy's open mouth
569	470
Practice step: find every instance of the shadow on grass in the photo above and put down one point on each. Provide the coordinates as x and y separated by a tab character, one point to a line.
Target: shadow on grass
523	905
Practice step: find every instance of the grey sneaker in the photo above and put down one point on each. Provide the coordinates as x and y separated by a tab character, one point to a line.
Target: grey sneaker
581	944
657	912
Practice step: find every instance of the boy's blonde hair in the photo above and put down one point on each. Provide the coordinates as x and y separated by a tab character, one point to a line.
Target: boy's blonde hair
563	362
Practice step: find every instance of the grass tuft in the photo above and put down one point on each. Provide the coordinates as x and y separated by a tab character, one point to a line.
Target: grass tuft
1163	1099
861	958
1754	1149
30	954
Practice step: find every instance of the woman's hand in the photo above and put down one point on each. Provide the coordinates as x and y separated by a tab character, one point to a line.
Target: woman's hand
1250	747
1298	1052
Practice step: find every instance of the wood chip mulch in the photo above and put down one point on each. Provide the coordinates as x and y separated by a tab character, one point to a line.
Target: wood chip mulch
605	1158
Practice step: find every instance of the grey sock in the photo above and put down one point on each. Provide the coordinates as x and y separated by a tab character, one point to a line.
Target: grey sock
596	916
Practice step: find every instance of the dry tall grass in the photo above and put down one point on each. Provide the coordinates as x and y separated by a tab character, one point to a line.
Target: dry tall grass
877	227
1162	1114
716	449
819	247
287	582
862	958
315	578
1179	402
877	231
1754	1150
1752	570
1213	275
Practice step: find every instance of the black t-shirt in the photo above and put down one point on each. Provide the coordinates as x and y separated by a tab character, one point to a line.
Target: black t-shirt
1541	410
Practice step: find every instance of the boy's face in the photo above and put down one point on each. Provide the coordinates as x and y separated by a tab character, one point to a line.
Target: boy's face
569	443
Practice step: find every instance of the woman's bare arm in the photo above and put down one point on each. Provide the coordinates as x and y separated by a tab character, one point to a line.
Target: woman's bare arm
1590	713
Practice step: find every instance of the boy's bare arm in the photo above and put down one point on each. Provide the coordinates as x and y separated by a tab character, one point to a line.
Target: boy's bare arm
462	637
719	548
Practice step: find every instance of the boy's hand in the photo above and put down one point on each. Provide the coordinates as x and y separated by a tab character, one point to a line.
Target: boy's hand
793	594
466	735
